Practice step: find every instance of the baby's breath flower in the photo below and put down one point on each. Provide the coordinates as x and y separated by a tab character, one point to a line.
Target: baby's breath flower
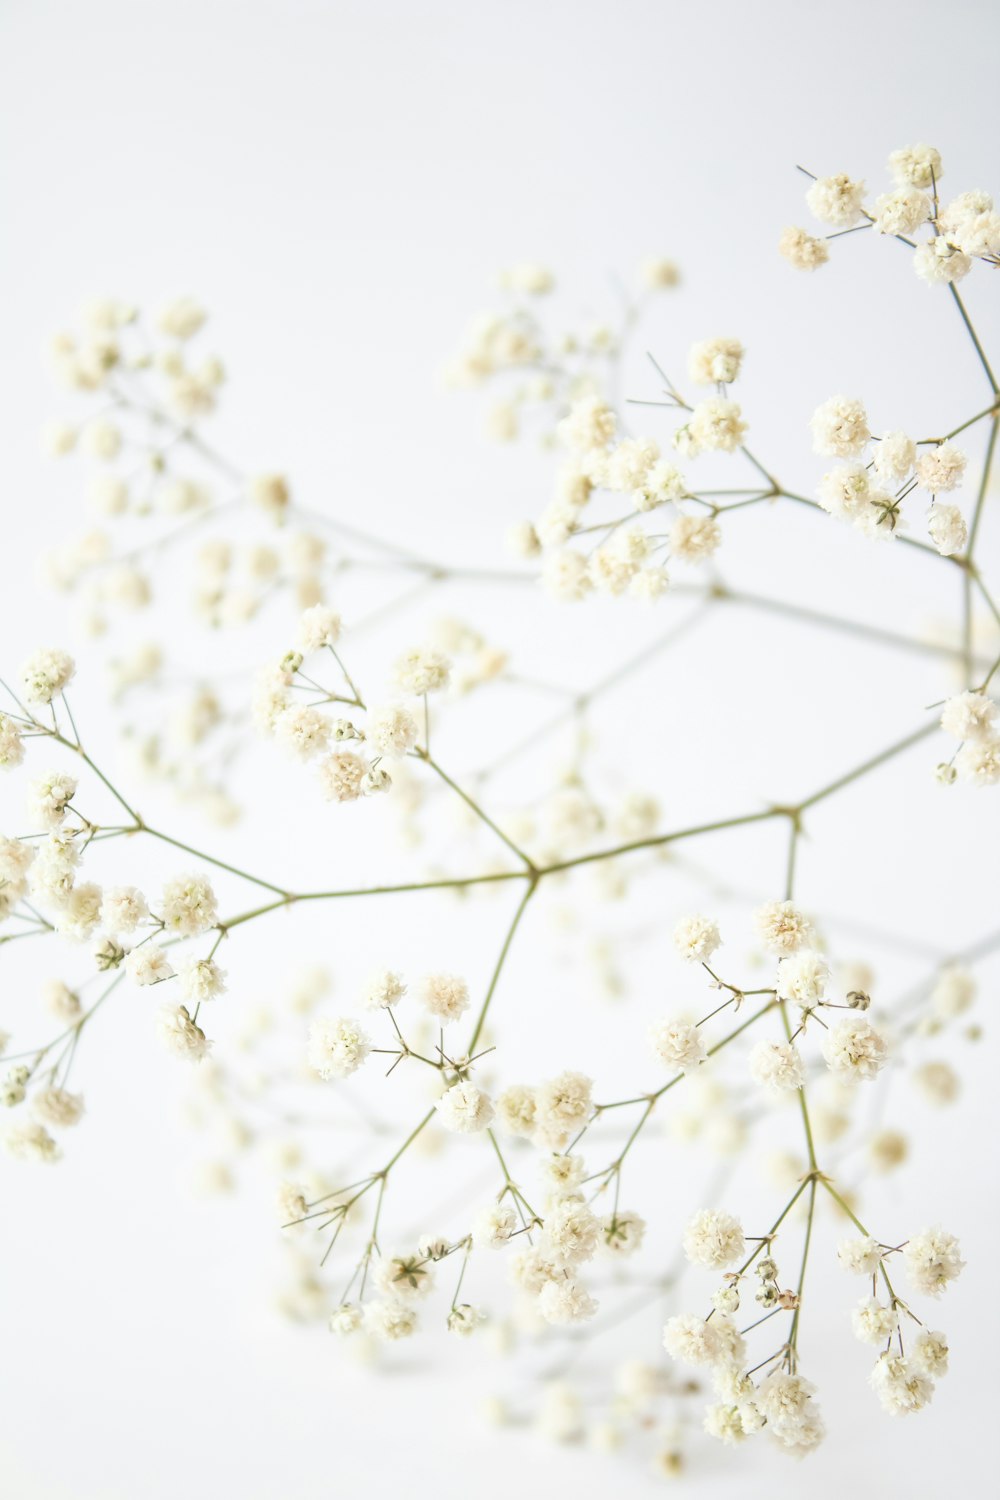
679	1045
45	674
562	1107
201	979
565	1301
932	1260
937	262
494	1226
836	200
28	1140
803	250
696	938
148	964
336	1048
947	529
916	166
445	996
57	1107
179	1034
840	428
860	1255
318	627
390	1320
970	716
188	905
123	907
464	1109
941	468
516	1111
803	978
777	1067
423	671
899	1385
342	776
383	990
854	1047
782	927
392	730
713	1238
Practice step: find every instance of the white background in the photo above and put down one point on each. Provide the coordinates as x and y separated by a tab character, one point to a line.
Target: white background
340	184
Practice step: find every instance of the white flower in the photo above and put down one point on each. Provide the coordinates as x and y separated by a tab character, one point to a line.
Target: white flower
180	1035
713	1238
122	909
562	1107
970	716
916	166
873	1322
590	424
947	529
782	928
346	1319
953	992
694	538
445	996
979	762
622	1232
11	743
777	1067
932	1260
572	1232
342	776
148	965
929	1353
899	1385
49	797
392	730
696	938
201	979
188	905
516	1111
30	1141
336	1048
46	673
565	1301
901	212
383	990
680	1045
464	1319
390	1320
836	200
717	425
303	730
318	626
691	1340
894	456
405	1277
937	262
494	1226
270	493
802	250
854	1047
803	978
181	318
840	428
423	671
464	1109
862	1255
941	468
565	575
57	1107
715	361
